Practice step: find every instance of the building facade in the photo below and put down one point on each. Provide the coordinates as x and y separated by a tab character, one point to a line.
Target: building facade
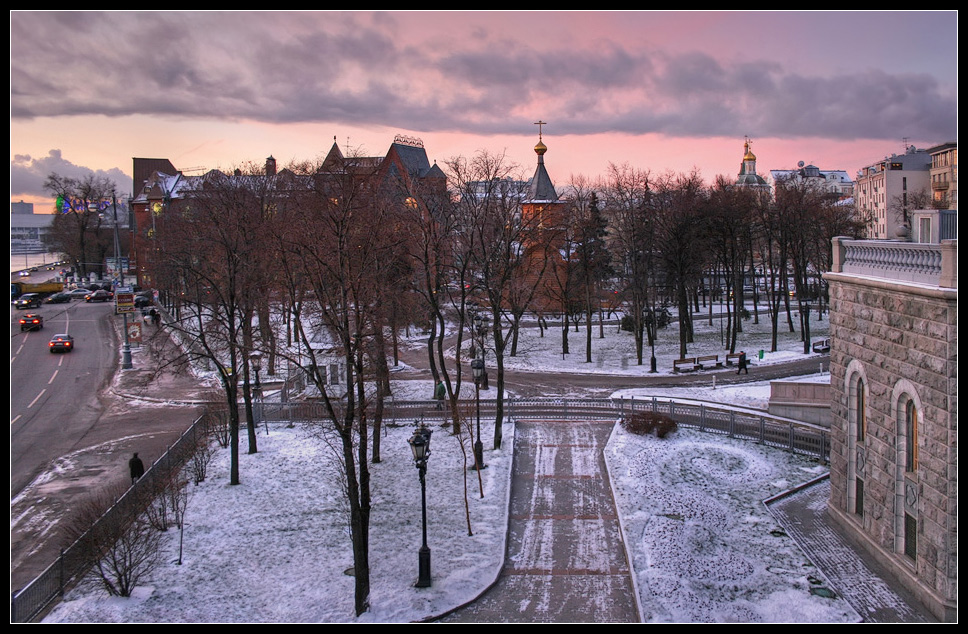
160	189
894	410
944	176
886	191
836	183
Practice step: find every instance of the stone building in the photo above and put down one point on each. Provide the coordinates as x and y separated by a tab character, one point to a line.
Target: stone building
894	410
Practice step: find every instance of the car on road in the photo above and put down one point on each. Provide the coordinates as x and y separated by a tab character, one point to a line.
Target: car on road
79	293
141	301
31	321
59	298
99	296
61	343
28	300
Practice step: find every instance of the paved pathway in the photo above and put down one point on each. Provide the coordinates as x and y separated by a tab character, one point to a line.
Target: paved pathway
565	559
858	577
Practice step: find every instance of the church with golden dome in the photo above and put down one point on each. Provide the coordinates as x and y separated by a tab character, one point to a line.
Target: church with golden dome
747	170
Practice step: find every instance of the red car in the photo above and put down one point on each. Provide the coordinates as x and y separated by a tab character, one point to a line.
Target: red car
99	296
61	343
31	322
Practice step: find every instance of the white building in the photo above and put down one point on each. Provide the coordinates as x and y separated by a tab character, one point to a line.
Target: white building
835	182
888	190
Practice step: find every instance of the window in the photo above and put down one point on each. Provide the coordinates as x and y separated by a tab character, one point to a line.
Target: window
924	230
910	536
861	411
911	436
859	497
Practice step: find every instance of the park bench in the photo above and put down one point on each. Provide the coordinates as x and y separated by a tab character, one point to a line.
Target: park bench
709	361
684	365
732	357
822	346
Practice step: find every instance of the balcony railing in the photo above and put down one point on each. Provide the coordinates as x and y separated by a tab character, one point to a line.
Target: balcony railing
932	264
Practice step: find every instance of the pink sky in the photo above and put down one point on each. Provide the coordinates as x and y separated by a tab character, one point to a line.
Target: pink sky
657	90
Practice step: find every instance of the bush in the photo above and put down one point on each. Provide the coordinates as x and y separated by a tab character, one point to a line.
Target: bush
114	541
645	423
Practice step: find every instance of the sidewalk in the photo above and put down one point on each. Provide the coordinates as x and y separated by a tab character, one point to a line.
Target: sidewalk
874	594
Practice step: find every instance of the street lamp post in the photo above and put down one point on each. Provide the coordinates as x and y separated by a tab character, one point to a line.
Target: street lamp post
477	365
806	326
126	348
256	360
420	445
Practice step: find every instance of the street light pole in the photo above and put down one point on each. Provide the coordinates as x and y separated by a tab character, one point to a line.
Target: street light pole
420	445
806	326
126	349
477	366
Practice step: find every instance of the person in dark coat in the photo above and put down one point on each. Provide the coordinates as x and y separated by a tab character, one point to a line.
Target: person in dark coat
137	468
742	363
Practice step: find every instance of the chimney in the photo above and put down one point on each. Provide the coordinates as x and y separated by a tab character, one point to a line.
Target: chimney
270	166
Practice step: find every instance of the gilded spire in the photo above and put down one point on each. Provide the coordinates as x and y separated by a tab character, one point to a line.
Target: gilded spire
540	148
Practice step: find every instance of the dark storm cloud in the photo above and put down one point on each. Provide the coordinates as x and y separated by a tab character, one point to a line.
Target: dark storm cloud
352	69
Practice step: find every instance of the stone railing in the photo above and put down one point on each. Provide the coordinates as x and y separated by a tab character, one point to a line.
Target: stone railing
934	264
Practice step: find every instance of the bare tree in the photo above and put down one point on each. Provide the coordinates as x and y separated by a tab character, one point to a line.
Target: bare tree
214	262
509	249
121	548
333	247
77	227
627	194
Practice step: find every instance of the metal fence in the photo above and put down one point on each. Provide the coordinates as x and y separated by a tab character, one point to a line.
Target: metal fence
73	562
794	436
801	438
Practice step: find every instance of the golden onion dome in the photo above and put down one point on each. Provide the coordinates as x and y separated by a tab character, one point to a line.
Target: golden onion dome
540	148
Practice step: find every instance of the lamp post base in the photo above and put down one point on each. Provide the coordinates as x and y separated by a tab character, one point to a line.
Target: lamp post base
423	578
479	455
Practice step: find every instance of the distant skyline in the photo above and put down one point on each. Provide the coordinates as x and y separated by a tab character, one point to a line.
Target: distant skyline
660	91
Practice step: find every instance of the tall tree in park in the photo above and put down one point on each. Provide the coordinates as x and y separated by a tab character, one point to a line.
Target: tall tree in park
333	249
81	215
213	261
593	260
440	252
509	249
728	226
679	205
627	196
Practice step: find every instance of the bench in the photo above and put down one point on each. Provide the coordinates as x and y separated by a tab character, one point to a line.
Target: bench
684	365
732	357
822	346
709	361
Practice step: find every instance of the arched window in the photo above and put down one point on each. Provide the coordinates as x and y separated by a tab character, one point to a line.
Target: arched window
908	416
855	388
910	436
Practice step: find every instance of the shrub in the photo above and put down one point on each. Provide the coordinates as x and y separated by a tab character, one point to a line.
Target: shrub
645	423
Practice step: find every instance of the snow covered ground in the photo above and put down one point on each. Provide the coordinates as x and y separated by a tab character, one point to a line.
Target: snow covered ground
702	545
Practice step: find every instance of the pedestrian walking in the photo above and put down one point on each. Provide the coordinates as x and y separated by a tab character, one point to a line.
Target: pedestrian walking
742	363
439	394
137	468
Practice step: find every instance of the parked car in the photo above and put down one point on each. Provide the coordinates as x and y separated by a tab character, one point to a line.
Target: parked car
99	296
29	300
31	321
59	298
61	343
